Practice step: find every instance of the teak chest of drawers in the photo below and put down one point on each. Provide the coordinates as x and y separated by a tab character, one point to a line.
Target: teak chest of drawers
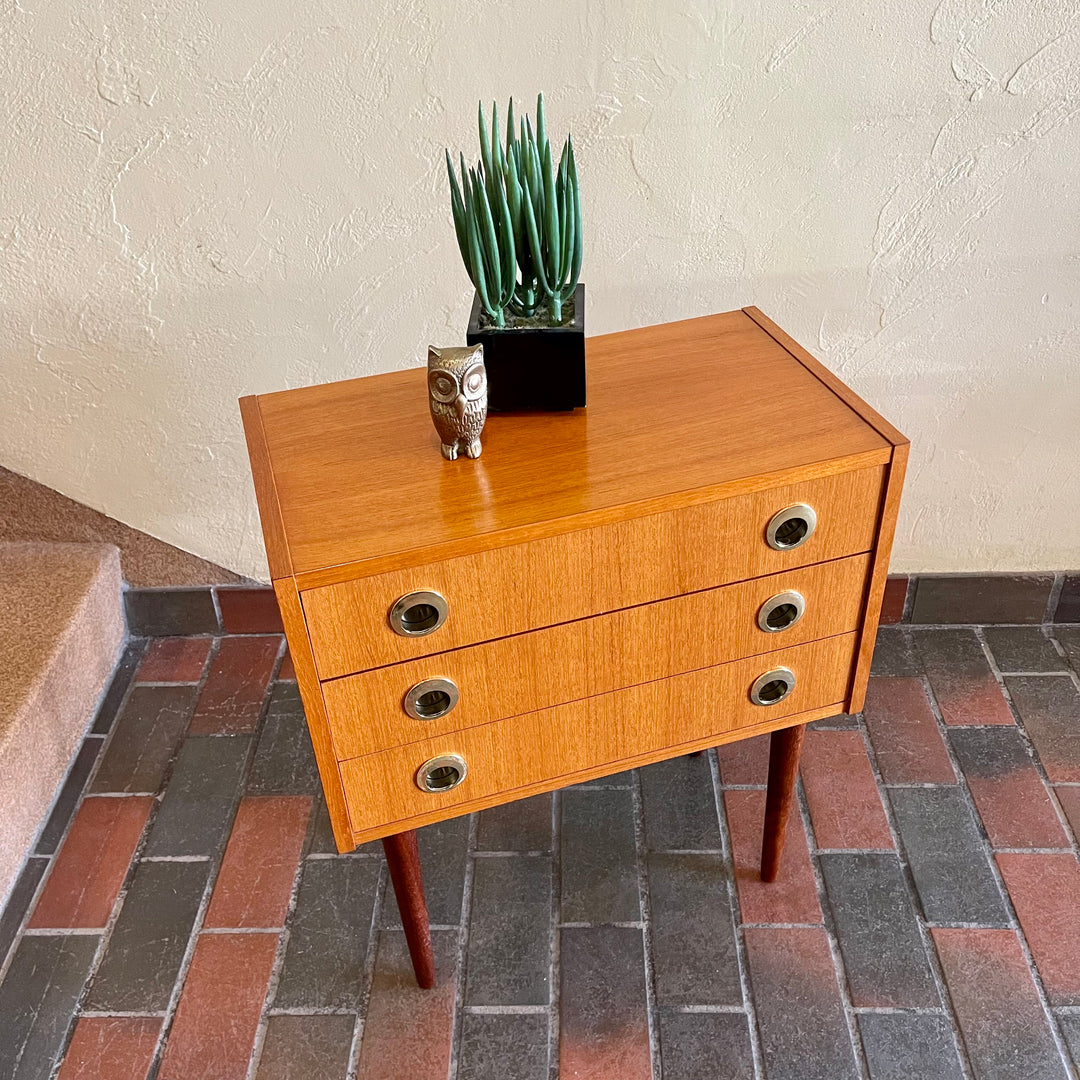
697	557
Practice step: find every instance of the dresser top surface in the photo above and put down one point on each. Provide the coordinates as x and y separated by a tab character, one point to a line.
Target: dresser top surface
349	474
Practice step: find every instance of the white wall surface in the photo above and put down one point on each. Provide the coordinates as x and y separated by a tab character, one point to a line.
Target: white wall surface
207	199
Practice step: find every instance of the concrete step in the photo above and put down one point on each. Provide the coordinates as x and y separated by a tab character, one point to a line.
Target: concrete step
61	630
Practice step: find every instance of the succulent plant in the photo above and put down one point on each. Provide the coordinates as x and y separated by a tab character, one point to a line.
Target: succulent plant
518	218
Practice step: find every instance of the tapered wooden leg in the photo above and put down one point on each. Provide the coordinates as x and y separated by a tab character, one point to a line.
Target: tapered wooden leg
403	859
784	750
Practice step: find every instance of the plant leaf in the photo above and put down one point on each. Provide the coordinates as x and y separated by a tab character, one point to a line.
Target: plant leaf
485	146
575	262
551	219
457	209
541	125
534	240
479	280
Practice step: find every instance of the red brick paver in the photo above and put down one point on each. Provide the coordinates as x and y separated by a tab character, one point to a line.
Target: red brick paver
1009	793
744	762
792	898
799	1010
92	864
111	1048
287	670
236	686
603	1011
408	1030
845	806
249	611
960	676
904	733
216	1020
1045	890
176	659
1049	707
996	1004
260	862
892	604
1069	797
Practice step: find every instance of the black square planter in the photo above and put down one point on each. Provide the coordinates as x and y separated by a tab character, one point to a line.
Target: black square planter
534	369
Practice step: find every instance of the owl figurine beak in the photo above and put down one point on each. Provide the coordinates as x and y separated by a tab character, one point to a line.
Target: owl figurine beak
459	406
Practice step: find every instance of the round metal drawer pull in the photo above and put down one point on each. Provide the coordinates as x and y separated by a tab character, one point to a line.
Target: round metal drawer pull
430	699
791	527
441	773
773	686
418	613
781	611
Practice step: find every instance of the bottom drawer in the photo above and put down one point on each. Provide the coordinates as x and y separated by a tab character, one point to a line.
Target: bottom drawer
550	746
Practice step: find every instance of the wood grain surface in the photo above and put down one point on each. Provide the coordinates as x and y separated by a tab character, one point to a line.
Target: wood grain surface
550	748
685	410
527	672
277	549
326	755
575	575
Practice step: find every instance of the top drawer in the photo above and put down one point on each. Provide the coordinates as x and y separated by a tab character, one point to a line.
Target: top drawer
508	590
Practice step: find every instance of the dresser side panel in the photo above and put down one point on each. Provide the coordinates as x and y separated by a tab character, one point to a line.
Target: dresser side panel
875	593
315	710
273	528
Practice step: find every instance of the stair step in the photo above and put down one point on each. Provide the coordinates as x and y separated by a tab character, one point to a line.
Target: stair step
61	630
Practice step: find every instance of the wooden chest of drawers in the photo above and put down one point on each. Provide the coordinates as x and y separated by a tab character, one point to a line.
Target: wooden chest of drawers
697	557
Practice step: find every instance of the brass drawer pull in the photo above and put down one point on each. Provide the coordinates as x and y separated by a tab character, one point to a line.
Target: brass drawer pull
441	773
781	611
418	613
773	686
791	527
430	699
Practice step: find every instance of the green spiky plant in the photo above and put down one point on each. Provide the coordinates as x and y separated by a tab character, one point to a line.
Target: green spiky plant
518	219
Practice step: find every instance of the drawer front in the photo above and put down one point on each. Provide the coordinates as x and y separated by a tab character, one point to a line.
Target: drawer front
552	745
527	672
509	590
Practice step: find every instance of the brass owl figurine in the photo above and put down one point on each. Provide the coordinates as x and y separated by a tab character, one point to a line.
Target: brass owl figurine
457	394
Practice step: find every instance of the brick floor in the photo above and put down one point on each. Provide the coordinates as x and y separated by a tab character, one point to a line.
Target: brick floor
185	915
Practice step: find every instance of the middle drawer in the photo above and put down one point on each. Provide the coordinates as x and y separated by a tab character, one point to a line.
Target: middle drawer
513	675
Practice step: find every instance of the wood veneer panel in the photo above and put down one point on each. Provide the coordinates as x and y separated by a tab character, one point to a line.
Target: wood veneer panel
816	367
689	407
277	548
311	694
528	672
546	749
574	575
875	593
890	504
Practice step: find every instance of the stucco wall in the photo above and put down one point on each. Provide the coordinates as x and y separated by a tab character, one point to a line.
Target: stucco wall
202	200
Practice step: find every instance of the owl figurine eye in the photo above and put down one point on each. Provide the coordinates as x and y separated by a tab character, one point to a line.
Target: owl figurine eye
443	386
475	382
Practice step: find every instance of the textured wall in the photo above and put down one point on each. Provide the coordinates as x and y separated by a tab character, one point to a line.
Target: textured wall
203	200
